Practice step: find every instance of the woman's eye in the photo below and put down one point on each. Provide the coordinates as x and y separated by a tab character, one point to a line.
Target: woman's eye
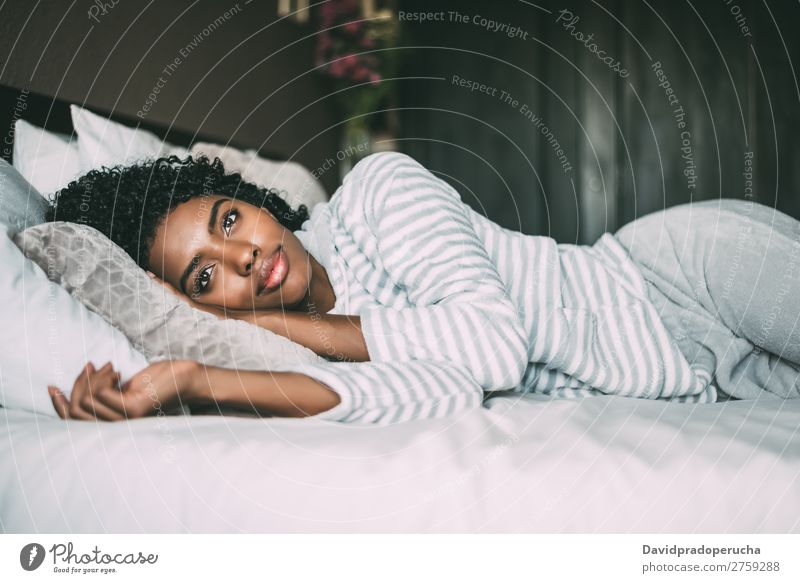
202	280
228	220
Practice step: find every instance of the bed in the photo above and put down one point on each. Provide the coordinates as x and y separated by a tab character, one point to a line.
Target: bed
520	464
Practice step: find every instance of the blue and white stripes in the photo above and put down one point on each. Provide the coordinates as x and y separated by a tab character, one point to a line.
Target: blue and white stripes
451	305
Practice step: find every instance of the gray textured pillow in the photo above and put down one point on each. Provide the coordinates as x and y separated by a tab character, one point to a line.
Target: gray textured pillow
21	205
107	280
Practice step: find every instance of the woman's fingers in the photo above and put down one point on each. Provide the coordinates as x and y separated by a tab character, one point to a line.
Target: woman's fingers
87	400
103	411
60	402
97	393
129	401
82	404
80	388
119	402
93	403
131	405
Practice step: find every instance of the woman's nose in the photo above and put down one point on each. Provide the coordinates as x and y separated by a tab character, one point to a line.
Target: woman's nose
243	256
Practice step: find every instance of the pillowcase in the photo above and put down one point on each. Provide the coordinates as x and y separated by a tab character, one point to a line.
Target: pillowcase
47	337
107	280
104	142
21	206
293	181
47	160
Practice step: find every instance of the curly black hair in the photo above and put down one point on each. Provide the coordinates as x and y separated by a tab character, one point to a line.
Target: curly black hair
128	203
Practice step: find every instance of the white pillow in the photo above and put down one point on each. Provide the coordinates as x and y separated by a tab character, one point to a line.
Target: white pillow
47	160
47	337
104	142
294	182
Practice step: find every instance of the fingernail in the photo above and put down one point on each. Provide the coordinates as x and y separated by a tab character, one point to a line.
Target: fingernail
151	274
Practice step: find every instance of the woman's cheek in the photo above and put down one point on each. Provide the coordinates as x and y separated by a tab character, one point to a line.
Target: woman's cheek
246	297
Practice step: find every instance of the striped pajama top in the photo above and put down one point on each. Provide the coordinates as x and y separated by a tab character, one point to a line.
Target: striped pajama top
453	305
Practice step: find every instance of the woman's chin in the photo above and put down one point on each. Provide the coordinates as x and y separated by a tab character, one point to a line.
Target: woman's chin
282	298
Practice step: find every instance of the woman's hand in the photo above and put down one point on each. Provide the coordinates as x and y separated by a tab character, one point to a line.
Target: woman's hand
159	388
81	404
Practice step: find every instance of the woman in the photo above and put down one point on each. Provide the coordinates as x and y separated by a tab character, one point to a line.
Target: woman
426	304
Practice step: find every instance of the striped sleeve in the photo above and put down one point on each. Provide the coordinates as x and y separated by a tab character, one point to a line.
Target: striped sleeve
417	232
382	393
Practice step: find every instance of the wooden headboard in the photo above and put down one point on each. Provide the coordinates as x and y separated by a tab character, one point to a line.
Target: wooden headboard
53	115
236	73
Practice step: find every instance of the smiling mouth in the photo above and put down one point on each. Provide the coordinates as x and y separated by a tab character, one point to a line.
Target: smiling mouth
272	272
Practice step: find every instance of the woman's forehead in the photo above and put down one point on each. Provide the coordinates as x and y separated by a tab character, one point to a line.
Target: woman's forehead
182	229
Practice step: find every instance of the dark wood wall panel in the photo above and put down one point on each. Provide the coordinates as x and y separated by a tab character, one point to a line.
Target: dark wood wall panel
777	115
618	135
242	76
621	135
560	108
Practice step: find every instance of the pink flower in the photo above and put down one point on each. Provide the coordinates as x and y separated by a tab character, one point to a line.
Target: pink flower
338	51
349	61
337	68
360	73
353	28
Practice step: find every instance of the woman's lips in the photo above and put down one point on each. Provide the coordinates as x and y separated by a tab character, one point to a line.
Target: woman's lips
273	271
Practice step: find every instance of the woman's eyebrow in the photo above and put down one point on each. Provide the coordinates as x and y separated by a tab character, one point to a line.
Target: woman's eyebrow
212	219
212	222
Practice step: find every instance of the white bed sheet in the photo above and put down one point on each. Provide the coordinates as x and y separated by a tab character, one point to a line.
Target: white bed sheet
520	464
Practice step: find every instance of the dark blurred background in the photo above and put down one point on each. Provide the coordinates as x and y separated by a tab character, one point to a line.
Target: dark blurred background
589	138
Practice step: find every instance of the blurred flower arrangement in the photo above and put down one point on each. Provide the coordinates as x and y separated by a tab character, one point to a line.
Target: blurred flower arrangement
353	50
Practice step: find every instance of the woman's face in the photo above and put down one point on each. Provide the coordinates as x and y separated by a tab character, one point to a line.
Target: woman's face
226	252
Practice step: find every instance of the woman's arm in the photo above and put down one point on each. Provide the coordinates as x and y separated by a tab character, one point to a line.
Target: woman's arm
163	385
283	394
369	393
415	230
334	336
